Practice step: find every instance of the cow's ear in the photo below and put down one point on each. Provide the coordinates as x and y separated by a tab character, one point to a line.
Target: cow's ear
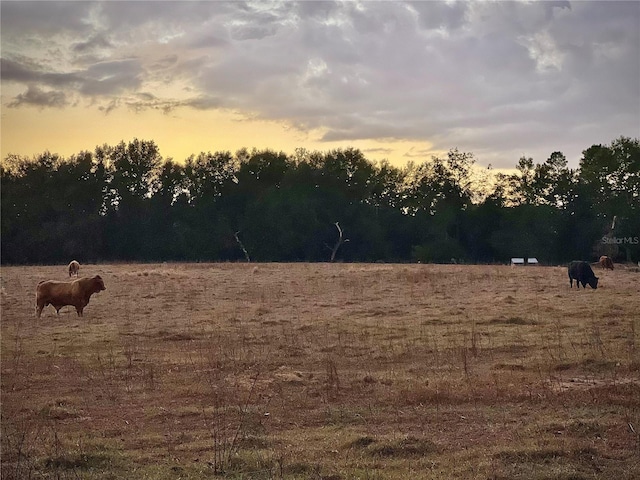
98	277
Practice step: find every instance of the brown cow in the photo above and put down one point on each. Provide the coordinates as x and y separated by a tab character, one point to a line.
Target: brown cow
59	294
606	262
74	268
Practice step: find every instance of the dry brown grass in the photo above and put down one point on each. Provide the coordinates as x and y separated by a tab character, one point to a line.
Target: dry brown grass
323	371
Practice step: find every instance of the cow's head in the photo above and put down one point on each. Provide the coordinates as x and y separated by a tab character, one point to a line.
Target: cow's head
98	284
593	282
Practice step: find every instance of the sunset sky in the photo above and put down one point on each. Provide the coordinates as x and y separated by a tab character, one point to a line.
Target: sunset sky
399	80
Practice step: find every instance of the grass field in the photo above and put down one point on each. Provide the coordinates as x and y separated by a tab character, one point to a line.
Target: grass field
323	371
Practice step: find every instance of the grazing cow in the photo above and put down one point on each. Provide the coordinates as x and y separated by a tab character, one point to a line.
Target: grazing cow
59	294
74	268
606	262
581	272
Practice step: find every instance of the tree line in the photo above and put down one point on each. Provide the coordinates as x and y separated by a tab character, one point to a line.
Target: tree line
128	203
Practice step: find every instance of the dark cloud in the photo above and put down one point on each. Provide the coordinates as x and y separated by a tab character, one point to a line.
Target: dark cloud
204	103
34	96
147	101
103	78
13	71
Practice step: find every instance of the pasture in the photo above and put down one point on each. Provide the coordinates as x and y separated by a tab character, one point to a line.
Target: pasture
323	371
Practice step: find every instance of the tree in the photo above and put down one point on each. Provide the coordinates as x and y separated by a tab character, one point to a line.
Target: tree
209	176
51	208
127	203
135	172
522	190
553	182
437	193
610	176
133	180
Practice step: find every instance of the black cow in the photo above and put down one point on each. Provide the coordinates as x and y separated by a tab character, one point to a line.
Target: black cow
581	272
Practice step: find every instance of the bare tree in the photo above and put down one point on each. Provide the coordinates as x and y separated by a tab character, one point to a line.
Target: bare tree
246	254
339	242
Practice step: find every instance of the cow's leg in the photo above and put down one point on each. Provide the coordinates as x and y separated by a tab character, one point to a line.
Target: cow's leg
39	310
79	310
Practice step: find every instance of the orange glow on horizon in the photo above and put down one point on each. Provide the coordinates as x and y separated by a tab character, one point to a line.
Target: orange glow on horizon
30	131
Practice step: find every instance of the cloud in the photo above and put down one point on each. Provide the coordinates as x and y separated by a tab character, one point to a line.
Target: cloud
22	20
113	77
101	78
30	73
148	101
14	71
496	78
34	96
97	41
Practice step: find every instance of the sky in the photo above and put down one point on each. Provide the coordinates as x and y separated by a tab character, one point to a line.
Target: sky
401	81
